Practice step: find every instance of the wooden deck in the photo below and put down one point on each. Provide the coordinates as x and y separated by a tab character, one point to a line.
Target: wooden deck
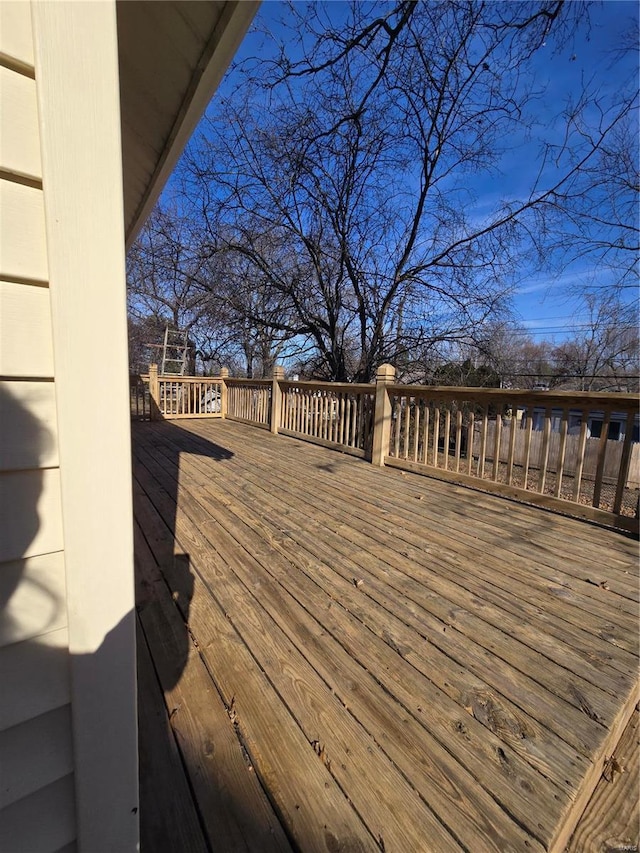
335	657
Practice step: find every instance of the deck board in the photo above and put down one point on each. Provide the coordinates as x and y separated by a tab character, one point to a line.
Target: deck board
443	665
232	805
167	809
611	821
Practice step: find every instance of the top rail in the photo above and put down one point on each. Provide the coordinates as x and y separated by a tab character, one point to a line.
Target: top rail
596	400
255	383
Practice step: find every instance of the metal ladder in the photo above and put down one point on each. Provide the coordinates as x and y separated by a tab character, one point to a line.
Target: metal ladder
174	352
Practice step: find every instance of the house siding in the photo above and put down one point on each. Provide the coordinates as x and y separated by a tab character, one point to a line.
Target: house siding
36	753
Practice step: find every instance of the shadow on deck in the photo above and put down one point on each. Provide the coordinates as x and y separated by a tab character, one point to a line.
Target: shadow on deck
337	657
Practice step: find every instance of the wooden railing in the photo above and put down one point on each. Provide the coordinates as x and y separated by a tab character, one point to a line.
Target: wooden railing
536	446
173	397
139	399
530	445
329	413
249	401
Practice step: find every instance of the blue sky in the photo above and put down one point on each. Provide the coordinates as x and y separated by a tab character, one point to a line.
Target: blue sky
542	303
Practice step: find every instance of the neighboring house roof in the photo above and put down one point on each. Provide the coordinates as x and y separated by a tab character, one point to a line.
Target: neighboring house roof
172	56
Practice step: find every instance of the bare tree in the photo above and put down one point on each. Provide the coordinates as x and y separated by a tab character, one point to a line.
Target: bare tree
164	273
346	173
605	355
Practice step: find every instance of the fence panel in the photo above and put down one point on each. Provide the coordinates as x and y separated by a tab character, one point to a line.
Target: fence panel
189	397
139	399
531	445
330	413
249	401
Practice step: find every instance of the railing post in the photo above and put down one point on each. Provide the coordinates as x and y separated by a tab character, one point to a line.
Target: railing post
382	418
154	393
276	398
224	372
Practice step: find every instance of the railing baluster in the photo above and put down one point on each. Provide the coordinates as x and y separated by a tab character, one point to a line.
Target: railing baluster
447	435
397	414
497	436
321	404
425	434
416	429
407	430
602	452
562	449
483	440
436	434
470	436
458	437
512	443
544	451
623	471
527	448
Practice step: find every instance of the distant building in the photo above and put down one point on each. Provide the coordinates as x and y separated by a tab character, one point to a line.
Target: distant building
595	422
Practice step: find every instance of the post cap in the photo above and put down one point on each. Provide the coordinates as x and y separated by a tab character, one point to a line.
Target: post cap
385	373
278	371
224	372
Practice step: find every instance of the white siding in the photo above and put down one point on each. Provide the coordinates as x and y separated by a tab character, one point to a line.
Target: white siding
16	40
31	513
23	246
37	809
49	736
43	821
26	345
40	450
38	605
37	672
19	139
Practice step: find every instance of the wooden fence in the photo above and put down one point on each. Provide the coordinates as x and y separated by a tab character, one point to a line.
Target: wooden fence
523	444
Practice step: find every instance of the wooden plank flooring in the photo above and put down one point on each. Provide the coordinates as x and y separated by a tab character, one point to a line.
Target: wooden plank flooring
363	659
611	821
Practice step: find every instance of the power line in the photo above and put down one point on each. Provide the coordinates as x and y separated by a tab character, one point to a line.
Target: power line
548	330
